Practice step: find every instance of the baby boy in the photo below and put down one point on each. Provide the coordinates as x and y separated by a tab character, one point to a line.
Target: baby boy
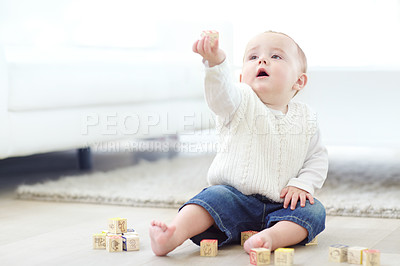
271	158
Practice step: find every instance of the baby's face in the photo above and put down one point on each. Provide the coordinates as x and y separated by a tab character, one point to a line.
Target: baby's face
271	66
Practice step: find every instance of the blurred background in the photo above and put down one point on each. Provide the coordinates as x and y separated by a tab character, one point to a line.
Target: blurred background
332	33
352	47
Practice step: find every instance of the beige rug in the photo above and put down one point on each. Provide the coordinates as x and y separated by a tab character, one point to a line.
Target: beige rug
353	188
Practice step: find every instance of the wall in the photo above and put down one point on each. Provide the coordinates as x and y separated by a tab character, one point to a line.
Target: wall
356	107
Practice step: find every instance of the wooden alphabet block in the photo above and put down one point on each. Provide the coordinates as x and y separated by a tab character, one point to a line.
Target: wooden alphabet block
130	231
112	234
371	257
246	235
117	225
214	35
313	242
114	243
130	234
260	256
130	242
338	253
99	241
355	255
209	247
284	256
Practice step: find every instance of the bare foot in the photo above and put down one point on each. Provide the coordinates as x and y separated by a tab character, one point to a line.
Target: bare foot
161	236
262	239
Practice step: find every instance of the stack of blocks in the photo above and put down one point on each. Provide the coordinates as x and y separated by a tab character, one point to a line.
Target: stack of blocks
117	238
354	255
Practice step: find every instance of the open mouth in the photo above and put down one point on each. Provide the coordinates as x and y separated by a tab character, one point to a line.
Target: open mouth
262	73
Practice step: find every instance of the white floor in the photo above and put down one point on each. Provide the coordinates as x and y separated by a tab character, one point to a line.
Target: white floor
48	233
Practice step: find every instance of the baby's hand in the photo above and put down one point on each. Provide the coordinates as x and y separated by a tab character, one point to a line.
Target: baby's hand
292	194
209	50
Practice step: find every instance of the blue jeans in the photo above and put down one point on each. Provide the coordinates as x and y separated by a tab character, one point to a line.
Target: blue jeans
234	212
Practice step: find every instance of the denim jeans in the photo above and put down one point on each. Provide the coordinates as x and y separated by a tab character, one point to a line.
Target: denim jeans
234	212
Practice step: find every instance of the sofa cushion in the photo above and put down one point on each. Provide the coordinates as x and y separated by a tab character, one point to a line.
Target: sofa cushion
58	129
76	77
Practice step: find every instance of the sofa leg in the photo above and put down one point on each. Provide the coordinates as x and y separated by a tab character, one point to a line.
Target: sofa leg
172	152
85	159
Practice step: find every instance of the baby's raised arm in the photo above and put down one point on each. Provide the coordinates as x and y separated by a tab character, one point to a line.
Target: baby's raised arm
209	49
222	94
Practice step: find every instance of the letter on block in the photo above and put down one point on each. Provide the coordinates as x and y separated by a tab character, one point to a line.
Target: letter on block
246	235
284	256
209	247
354	255
117	225
214	35
338	253
99	241
130	242
114	243
260	256
371	257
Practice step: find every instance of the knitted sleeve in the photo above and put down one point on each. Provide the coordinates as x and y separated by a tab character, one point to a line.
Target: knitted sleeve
222	96
315	168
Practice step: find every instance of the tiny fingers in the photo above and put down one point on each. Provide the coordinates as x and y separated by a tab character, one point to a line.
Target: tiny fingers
194	47
304	197
207	45
295	198
200	46
214	44
284	192
310	198
286	202
303	200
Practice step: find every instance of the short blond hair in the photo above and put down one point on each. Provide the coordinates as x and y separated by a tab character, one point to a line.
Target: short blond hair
302	55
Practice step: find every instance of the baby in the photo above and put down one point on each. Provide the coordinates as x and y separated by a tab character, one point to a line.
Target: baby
271	159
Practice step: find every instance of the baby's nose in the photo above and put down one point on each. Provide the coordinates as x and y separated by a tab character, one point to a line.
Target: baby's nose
262	61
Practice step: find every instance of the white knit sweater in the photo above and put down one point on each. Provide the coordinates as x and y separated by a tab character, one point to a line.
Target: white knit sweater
259	152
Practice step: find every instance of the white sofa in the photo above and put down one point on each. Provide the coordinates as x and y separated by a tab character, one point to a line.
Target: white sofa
72	97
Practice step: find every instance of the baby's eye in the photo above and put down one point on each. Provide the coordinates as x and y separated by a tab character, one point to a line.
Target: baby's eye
275	56
252	57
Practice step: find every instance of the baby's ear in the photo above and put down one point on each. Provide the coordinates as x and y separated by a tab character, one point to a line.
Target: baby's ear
240	78
301	82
